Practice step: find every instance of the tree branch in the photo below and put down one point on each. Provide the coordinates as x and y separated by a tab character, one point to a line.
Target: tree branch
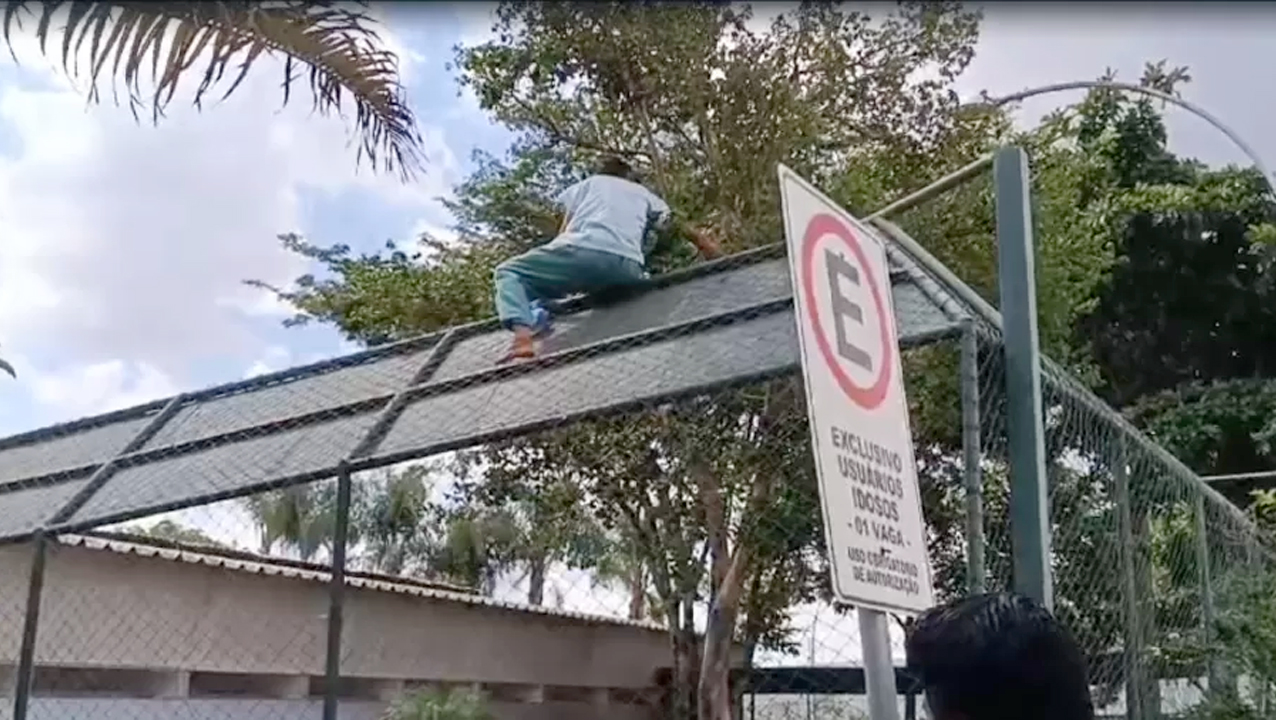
557	134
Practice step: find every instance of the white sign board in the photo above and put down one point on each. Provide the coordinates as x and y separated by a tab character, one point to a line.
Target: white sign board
855	396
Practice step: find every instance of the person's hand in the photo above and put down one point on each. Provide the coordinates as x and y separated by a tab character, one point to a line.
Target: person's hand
707	245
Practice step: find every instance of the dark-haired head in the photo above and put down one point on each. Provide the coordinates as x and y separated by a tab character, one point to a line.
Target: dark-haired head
615	166
998	657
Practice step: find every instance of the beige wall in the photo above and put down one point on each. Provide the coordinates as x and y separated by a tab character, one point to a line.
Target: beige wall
104	609
72	709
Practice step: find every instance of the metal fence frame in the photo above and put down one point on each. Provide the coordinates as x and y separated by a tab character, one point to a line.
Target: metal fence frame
1024	368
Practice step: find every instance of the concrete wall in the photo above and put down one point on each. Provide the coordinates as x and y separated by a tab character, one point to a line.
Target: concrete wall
129	709
159	631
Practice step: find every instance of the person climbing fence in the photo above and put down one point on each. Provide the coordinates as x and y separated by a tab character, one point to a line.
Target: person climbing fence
608	222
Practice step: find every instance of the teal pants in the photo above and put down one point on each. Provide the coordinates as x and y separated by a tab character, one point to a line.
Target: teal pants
551	273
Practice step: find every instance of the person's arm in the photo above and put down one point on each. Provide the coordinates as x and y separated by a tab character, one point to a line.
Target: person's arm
705	244
549	221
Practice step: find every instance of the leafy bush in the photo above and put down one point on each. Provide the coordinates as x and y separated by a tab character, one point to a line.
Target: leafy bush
442	704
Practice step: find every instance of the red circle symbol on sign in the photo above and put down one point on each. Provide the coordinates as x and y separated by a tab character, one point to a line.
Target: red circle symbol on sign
820	226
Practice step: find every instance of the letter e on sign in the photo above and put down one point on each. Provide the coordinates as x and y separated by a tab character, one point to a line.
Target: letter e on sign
847	310
850	361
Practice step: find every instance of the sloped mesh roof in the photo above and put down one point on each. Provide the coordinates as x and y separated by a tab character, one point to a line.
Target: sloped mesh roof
719	324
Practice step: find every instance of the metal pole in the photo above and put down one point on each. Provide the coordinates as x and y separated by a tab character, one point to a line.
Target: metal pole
810	659
976	565
939	187
1132	646
1029	512
30	623
879	667
1200	112
1216	674
1232	477
336	596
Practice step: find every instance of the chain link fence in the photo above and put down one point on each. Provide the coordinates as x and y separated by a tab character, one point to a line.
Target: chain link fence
1154	572
414	532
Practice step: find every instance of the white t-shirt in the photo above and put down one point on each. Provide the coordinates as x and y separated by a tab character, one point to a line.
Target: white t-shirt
610	214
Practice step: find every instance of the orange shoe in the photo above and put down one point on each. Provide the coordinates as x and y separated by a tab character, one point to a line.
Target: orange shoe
522	348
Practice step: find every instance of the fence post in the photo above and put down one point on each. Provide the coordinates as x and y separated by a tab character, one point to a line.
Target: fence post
1216	673
1029	510
337	595
1132	645
879	667
976	568
30	624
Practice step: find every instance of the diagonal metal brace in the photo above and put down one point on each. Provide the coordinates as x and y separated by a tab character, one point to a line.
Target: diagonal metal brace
107	469
395	406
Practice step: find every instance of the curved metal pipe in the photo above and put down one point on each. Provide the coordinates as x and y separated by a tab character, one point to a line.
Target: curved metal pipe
1127	87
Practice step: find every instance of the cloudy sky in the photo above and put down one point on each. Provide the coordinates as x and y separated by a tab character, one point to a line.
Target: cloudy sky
123	246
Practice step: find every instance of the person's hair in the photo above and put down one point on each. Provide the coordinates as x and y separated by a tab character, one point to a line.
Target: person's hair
998	657
615	166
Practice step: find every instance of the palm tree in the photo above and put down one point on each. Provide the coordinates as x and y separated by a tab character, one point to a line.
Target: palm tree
334	45
397	521
397	529
476	547
301	518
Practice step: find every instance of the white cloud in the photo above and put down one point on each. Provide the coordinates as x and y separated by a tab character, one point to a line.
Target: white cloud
435	230
477	20
98	388
410	60
274	359
123	240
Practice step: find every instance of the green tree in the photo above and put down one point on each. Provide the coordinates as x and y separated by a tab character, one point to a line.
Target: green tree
1106	158
301	518
397	521
543	516
396	527
1244	633
1178	233
622	564
335	46
176	532
1182	327
1225	426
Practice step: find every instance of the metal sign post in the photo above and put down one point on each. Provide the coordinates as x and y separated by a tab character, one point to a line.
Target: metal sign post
860	433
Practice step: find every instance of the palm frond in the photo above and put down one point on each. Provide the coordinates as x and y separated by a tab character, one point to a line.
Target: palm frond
334	44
